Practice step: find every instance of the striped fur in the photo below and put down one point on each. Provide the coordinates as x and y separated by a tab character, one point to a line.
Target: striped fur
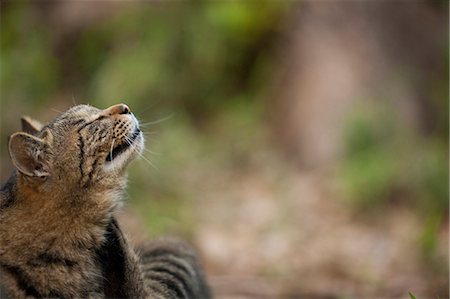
171	270
58	233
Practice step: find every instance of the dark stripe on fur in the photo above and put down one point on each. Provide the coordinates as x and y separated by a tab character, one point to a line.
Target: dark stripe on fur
84	125
157	252
81	141
76	123
24	283
8	191
173	285
121	273
45	259
162	263
185	281
175	259
93	168
111	257
187	276
171	258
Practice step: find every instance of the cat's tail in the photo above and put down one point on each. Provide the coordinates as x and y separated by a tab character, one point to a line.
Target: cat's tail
171	270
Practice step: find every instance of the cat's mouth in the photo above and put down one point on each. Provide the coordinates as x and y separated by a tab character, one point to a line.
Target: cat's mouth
127	142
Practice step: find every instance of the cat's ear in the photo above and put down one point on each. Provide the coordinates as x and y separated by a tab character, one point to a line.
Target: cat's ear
29	154
30	125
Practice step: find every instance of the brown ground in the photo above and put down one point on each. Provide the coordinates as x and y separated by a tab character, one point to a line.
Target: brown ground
273	234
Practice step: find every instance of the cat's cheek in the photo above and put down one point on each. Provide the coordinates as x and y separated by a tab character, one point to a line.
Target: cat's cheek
116	165
141	144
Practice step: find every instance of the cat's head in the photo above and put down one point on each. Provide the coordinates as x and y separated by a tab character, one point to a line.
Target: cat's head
82	147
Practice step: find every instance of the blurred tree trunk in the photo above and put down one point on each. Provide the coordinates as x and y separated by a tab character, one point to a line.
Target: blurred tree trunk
342	53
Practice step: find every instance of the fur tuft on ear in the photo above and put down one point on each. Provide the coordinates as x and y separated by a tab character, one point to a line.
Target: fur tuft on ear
30	126
47	137
29	154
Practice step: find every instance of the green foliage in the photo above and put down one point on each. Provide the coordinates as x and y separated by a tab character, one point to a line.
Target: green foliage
386	163
411	296
428	237
367	172
29	71
207	64
185	161
203	63
196	55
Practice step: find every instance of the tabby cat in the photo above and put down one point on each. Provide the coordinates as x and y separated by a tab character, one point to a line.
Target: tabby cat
58	234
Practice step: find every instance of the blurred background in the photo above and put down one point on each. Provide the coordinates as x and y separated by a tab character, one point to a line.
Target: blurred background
302	147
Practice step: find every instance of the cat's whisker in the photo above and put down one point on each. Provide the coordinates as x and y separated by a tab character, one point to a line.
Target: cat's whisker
111	150
134	148
128	140
115	171
156	121
150	132
148	161
152	152
148	150
74	101
89	180
55	110
152	105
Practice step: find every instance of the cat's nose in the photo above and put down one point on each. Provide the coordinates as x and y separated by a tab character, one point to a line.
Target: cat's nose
117	109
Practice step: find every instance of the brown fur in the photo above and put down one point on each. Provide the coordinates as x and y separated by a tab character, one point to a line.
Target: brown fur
58	236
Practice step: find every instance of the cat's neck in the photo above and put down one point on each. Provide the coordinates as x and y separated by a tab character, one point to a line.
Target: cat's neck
53	216
36	194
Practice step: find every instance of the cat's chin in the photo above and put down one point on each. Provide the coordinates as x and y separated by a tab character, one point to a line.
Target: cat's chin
121	161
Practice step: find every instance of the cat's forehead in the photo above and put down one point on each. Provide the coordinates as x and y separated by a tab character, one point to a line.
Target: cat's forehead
79	112
74	116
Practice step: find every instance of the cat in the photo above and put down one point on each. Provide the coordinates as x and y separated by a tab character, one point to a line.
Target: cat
59	237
